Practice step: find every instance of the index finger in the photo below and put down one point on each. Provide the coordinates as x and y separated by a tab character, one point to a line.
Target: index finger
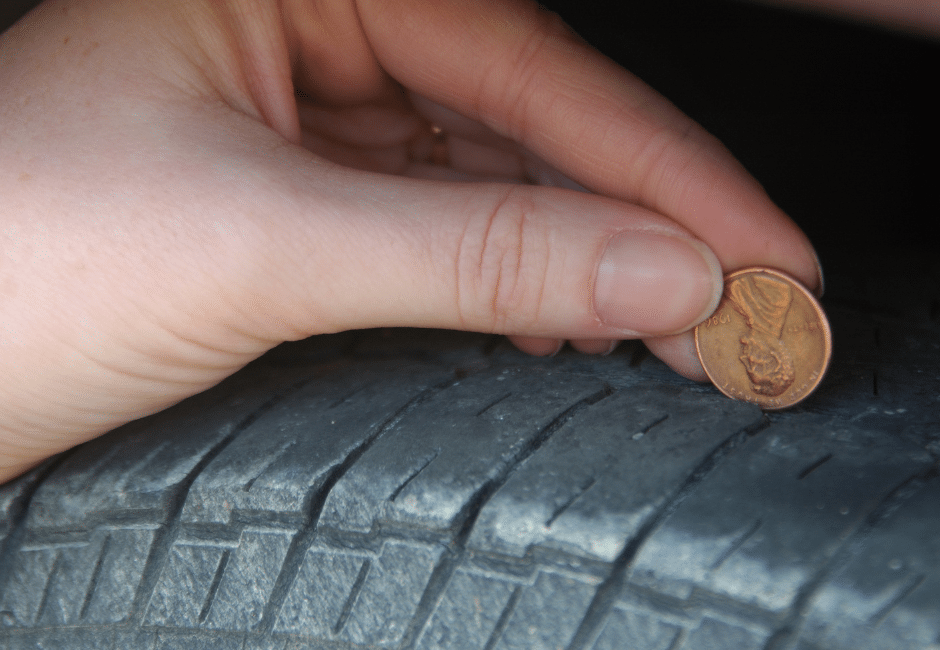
520	71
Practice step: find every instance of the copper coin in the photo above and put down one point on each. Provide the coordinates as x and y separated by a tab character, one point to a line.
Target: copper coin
768	342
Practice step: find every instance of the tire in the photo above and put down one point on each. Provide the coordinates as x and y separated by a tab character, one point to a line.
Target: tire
424	490
403	489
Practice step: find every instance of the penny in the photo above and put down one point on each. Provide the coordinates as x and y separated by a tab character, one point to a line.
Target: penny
768	341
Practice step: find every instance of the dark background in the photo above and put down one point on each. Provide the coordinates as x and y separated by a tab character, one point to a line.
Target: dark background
837	119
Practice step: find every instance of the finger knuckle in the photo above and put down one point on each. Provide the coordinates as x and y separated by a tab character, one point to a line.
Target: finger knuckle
518	87
663	163
502	266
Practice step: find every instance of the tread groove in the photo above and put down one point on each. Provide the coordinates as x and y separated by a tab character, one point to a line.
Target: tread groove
607	593
317	499
907	489
503	622
471	512
353	596
169	531
475	504
95	576
19	513
214	587
812	467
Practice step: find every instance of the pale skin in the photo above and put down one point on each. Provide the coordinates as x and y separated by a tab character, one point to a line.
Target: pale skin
171	210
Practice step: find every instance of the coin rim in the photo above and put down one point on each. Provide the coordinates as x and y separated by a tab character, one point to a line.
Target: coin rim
827	336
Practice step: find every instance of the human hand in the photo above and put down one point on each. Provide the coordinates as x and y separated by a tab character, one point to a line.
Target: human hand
171	209
921	16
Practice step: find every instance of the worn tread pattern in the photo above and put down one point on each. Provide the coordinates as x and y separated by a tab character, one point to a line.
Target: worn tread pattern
427	490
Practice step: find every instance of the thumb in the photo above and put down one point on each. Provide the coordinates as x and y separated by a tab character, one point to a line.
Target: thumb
369	250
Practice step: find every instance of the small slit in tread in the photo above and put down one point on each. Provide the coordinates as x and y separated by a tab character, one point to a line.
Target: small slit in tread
214	587
395	494
493	403
352	597
812	467
654	423
503	622
50	581
910	588
570	502
737	544
95	576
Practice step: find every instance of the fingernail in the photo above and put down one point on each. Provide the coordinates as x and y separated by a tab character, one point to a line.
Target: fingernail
820	278
650	284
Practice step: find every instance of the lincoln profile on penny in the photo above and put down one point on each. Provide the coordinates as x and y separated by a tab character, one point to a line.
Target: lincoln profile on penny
763	302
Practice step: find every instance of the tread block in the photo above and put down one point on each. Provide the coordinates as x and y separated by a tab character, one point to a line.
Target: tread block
888	593
82	582
68	584
69	581
291	449
317	599
184	587
426	469
221	587
358	597
248	579
119	571
468	613
762	525
23	596
390	594
597	480
548	613
625	628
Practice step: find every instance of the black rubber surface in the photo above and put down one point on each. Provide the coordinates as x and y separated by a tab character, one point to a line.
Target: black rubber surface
427	490
403	489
